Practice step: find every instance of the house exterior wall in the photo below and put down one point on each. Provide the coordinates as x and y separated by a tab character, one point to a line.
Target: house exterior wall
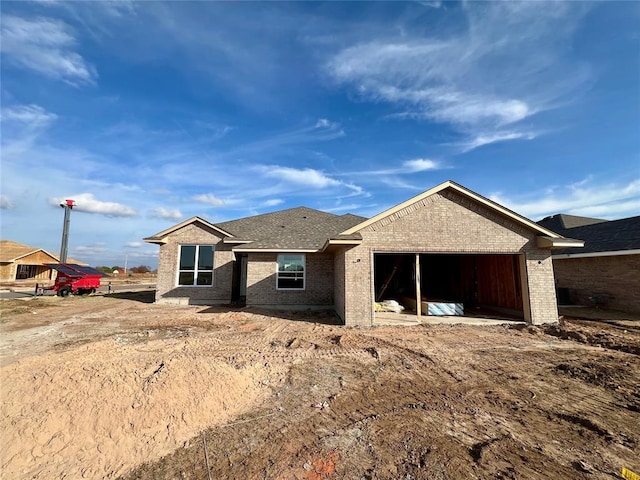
7	272
339	279
168	291
446	222
613	280
261	282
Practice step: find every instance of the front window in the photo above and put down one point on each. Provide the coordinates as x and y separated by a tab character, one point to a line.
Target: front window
196	265
290	272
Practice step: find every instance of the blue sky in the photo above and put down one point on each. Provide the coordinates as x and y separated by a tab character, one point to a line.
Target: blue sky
148	113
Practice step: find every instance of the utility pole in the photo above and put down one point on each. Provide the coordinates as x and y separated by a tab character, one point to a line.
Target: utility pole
64	248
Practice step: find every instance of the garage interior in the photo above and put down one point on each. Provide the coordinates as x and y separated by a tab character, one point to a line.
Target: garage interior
480	285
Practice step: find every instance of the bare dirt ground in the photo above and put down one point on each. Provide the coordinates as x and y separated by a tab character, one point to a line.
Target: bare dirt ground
115	386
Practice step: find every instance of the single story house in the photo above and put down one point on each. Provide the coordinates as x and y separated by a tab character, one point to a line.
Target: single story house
606	271
446	245
22	262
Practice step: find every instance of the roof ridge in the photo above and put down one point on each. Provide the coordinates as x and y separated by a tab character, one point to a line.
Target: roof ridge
301	207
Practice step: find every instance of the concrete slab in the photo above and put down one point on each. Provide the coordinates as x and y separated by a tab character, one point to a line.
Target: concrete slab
400	319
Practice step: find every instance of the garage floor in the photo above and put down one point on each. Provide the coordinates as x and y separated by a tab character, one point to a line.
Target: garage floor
392	318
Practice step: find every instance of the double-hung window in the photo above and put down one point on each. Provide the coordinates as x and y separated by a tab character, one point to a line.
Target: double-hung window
290	275
196	265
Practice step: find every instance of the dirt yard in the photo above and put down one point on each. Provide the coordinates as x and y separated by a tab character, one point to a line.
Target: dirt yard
115	386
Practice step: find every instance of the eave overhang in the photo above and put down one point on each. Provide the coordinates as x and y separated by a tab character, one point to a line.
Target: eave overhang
561	242
235	241
274	250
610	253
333	242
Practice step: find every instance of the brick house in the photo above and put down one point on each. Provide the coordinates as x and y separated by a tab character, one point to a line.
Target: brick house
606	271
446	245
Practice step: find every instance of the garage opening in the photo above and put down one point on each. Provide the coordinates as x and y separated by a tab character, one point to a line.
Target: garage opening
469	285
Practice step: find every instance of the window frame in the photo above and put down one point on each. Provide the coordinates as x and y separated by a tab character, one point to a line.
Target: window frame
196	270
304	272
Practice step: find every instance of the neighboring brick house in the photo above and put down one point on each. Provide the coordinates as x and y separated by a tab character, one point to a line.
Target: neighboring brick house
19	262
606	271
447	243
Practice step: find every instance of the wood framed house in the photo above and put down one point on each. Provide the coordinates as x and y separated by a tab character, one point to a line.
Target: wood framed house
447	245
19	262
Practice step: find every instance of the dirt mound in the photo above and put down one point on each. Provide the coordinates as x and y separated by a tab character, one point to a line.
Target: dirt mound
109	386
99	410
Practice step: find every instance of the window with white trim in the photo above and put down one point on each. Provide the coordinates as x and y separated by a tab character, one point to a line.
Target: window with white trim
291	270
196	265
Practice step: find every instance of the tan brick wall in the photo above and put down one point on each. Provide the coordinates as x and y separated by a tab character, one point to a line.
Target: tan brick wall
339	277
617	277
445	223
261	282
542	293
167	289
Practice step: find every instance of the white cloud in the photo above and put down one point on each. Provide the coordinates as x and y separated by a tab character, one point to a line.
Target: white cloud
133	244
209	199
273	202
86	202
166	213
30	115
415	165
5	202
45	46
487	139
89	250
305	176
505	66
323	123
420	165
583	198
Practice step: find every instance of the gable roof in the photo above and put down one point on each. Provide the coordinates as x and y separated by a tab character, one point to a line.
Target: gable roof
612	237
11	251
305	229
293	229
531	225
161	237
562	221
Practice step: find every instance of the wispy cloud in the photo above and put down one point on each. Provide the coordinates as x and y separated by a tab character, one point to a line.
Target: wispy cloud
611	200
209	199
415	165
32	116
134	244
273	202
295	178
301	176
483	81
46	46
166	213
486	139
97	248
86	202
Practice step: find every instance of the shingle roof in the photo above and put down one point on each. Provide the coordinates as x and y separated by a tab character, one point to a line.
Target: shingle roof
298	228
605	236
562	221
